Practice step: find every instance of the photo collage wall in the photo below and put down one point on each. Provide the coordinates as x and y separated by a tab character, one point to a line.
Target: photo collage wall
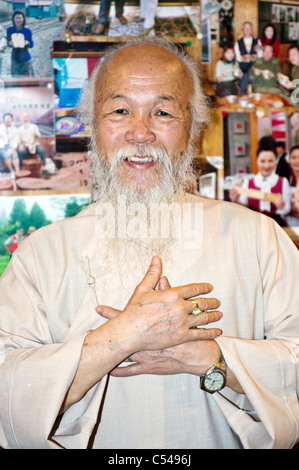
44	161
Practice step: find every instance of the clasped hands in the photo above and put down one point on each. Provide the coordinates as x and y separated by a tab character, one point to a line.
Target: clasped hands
164	336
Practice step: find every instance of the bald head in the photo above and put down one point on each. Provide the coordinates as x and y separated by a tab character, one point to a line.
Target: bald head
151	59
148	56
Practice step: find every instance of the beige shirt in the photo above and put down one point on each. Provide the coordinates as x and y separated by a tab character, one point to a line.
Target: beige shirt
29	135
48	296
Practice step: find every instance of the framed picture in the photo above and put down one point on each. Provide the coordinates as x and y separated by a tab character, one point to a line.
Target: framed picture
35	211
26	114
293	31
71	72
284	13
239	127
207	185
29	56
179	19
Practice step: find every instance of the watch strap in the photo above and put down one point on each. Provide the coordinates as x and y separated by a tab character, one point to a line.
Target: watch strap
221	363
220	366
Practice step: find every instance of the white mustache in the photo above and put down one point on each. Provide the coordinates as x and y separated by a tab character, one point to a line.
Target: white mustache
147	152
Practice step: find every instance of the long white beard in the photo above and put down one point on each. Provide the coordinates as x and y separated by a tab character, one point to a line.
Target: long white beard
109	181
150	222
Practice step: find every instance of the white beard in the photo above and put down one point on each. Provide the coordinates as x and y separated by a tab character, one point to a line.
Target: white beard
109	181
129	247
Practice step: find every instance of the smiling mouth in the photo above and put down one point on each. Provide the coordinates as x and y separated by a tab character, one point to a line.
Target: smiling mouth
139	160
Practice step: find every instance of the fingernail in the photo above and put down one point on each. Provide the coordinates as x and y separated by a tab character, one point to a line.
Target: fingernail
99	310
154	260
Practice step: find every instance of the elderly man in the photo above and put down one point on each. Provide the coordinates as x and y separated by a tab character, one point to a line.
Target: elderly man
247	49
29	140
264	71
98	349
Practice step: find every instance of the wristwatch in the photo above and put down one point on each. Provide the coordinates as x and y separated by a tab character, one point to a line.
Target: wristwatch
214	379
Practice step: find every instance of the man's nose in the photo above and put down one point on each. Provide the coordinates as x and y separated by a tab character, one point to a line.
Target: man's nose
140	130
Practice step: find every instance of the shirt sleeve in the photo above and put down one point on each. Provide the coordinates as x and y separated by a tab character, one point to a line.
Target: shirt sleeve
257	64
14	142
267	416
243	199
35	371
36	131
8	34
286	196
29	38
260	49
237	52
218	69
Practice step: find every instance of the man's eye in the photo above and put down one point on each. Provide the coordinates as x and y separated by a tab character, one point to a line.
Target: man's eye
163	113
120	111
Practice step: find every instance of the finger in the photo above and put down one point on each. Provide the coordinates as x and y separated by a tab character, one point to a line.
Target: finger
163	283
194	289
202	334
128	371
205	318
152	277
205	303
107	312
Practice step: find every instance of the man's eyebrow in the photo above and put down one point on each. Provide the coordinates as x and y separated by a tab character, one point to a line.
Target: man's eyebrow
166	98
116	96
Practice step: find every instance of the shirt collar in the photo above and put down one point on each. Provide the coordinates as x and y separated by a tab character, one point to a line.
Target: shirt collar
269	179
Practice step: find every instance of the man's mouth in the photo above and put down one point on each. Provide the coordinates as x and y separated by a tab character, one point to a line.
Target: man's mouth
139	160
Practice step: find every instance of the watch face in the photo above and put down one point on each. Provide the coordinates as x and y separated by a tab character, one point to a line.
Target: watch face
214	381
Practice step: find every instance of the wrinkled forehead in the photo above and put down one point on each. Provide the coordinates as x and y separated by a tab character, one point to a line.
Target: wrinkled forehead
145	62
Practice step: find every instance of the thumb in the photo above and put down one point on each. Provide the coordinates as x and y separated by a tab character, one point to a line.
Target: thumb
107	312
152	276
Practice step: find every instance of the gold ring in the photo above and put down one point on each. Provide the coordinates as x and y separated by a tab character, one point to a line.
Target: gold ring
195	310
